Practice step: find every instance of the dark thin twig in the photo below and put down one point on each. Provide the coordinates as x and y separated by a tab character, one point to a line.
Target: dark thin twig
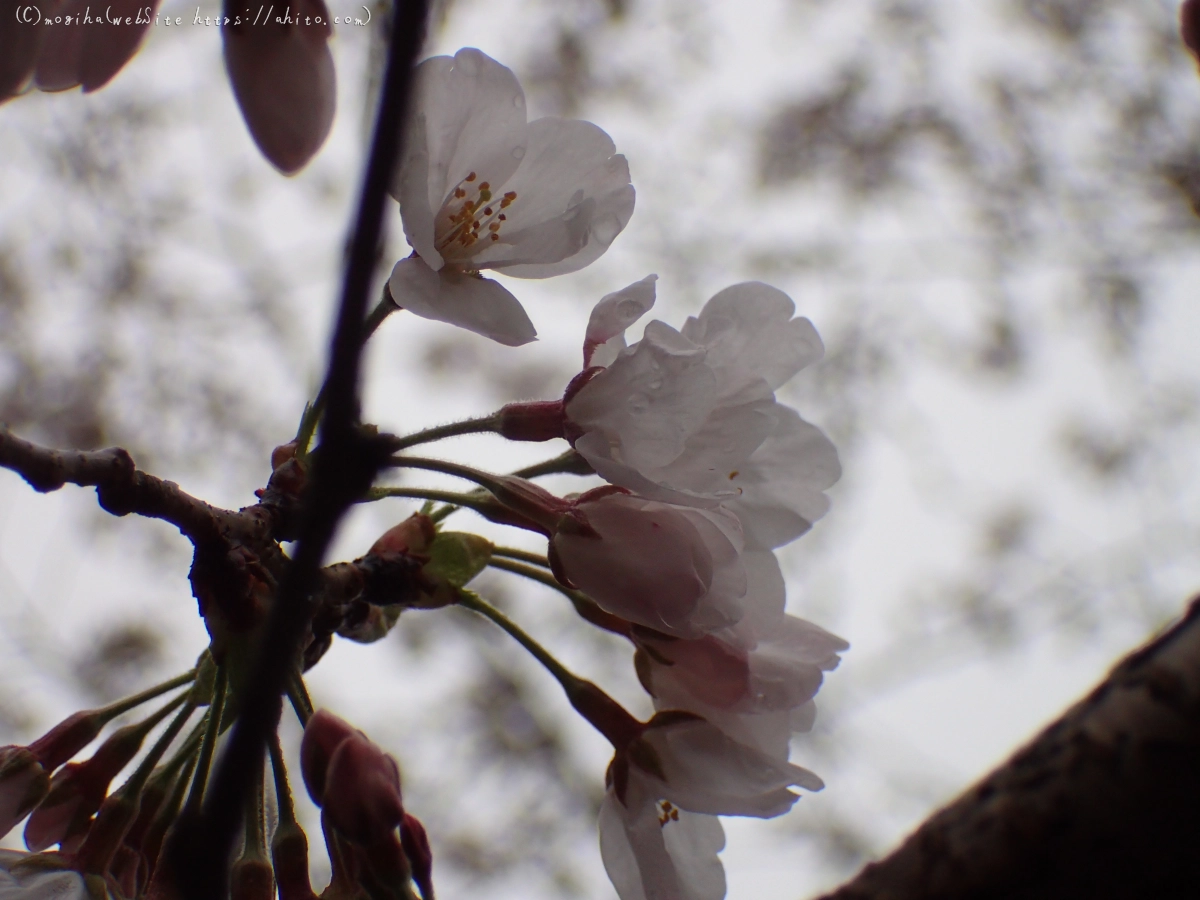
343	469
120	486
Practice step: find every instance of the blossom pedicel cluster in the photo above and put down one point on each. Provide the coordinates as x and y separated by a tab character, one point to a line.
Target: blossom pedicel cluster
706	473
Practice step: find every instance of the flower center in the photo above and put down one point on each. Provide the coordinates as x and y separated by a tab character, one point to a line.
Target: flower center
471	215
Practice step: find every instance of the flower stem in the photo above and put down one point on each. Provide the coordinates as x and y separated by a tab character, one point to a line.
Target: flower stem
537	559
602	711
138	779
123	706
483	479
208	744
569	463
584	605
481	425
283	791
312	411
298	695
469	500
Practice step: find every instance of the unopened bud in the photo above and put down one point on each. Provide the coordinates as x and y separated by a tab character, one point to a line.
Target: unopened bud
322	735
355	783
415	842
23	785
412	537
68	737
1189	26
78	790
282	454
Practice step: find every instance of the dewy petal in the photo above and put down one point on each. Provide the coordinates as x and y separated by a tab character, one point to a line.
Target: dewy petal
468	301
708	772
473	114
647	403
573	199
647	859
750	325
781	485
605	337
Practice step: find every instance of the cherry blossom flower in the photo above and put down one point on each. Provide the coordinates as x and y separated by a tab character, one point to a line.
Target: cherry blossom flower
690	416
659	835
480	187
655	851
675	569
754	680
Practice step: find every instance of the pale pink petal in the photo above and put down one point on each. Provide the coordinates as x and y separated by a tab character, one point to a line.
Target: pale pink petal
285	84
573	199
473	119
646	404
708	772
60	59
37	882
20	44
615	312
106	48
750	326
671	568
468	301
781	485
649	859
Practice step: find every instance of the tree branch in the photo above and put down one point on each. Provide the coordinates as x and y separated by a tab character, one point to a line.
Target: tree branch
120	486
1105	803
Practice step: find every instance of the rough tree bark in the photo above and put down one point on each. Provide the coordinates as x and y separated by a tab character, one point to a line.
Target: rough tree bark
1105	803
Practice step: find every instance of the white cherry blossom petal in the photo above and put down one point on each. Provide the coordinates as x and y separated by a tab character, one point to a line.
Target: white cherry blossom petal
573	199
473	118
708	772
781	485
605	337
750	326
468	301
650	859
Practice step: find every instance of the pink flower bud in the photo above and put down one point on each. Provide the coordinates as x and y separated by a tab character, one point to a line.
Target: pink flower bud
362	791
322	735
23	784
415	842
78	790
67	738
411	537
283	77
86	53
355	783
1189	26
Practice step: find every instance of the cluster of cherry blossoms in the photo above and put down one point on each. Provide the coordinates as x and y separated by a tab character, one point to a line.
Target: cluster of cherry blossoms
705	474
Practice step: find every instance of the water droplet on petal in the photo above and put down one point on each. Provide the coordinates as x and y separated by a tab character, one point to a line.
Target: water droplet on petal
655	384
518	101
607	229
638	404
518	153
467	64
628	308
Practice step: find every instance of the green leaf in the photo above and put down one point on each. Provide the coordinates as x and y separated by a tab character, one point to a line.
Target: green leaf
457	556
